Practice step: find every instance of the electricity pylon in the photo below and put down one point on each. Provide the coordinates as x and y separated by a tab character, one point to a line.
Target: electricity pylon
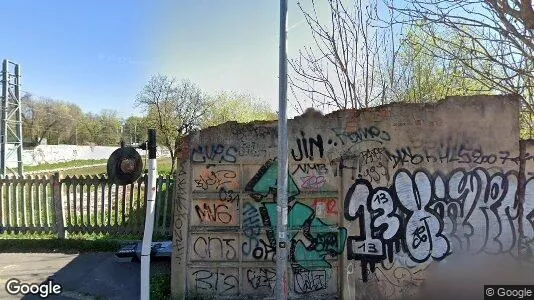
11	122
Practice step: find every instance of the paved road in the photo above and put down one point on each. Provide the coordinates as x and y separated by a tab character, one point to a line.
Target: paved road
82	276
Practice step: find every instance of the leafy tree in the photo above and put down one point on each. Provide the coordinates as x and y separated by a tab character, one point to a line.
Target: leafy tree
174	108
135	129
99	129
110	128
231	106
87	129
47	118
427	78
493	39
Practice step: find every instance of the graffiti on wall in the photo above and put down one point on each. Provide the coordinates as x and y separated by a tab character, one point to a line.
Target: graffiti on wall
214	153
265	183
367	200
313	242
216	178
180	215
429	216
447	154
224	281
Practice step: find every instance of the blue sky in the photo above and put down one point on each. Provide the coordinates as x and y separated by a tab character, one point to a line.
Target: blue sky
98	54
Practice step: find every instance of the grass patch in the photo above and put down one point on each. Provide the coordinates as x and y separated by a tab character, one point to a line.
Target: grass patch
75	243
58	245
164	167
67	164
160	287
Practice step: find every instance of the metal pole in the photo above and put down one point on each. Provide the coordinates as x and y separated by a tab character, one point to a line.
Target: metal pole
3	130
19	120
149	220
281	247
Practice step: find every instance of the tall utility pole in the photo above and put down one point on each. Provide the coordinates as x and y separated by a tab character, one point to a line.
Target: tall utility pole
11	122
281	247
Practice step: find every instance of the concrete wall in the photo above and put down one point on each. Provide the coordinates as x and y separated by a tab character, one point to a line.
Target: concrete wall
62	153
377	197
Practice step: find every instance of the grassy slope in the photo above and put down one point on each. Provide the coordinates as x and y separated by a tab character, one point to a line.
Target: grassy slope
164	167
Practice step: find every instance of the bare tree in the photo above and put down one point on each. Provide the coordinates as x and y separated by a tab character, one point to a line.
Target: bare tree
174	109
352	61
493	39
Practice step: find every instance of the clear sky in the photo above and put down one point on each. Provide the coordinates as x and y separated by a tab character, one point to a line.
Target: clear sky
99	53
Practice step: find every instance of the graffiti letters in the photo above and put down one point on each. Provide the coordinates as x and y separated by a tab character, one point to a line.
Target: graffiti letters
450	154
262	278
306	281
228	195
423	233
216	281
379	233
469	211
365	134
216	179
216	212
306	147
180	215
215	248
251	228
214	153
310	176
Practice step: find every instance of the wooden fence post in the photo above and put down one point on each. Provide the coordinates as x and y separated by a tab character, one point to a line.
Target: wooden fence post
58	205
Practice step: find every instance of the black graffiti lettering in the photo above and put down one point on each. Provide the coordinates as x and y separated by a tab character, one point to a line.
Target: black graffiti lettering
307	146
399	158
465	156
309	281
215	281
216	179
299	158
469	211
419	235
370	156
248	246
214	153
265	251
326	242
319	169
316	143
262	277
201	280
385	136
368	248
449	154
215	248
228	195
214	213
371	133
180	215
381	198
231	283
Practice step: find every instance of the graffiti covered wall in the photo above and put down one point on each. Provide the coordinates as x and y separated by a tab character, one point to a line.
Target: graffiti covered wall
376	197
